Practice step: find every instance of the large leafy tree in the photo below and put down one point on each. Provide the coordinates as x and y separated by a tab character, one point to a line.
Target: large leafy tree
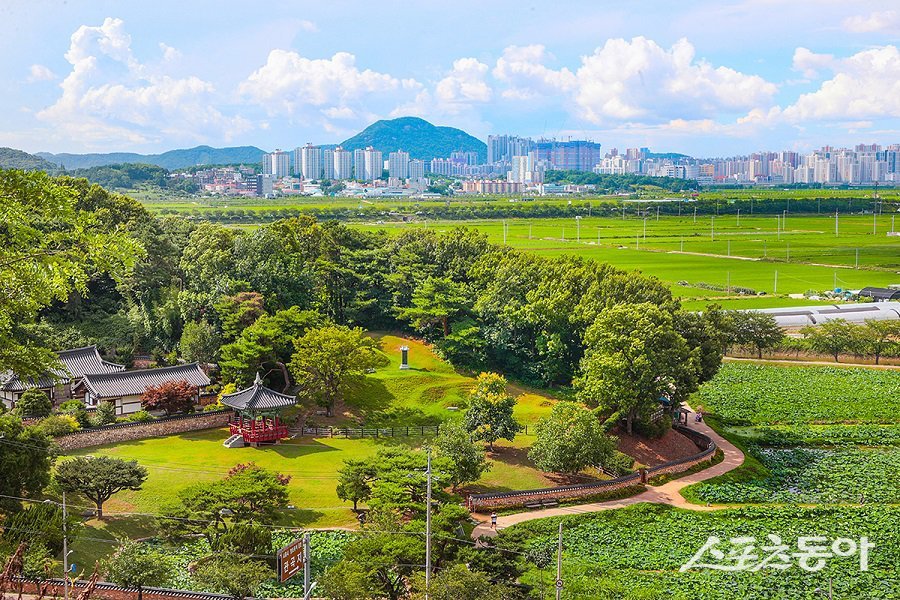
570	439
458	581
199	342
435	301
756	329
136	565
233	574
207	265
880	338
355	481
50	248
266	344
238	312
99	477
328	359
633	357
466	458
490	413
833	337
26	456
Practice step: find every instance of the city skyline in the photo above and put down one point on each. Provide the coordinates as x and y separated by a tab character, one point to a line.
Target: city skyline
111	77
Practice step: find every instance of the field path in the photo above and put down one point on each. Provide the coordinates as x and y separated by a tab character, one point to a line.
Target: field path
668	493
818	363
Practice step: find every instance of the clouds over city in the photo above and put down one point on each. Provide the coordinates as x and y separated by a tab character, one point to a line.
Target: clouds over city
116	91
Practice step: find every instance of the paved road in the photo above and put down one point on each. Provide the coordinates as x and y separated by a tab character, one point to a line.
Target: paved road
668	493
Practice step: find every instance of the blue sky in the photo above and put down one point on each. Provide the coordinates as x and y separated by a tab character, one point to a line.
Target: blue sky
702	77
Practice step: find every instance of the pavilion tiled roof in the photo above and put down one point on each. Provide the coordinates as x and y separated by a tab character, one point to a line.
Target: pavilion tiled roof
77	363
136	382
258	397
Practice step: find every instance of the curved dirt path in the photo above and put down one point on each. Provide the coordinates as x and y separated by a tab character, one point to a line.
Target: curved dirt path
668	493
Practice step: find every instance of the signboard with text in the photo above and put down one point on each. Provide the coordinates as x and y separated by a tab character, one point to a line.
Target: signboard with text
290	560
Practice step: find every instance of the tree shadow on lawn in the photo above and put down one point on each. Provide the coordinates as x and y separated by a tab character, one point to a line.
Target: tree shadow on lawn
295	450
518	457
298	517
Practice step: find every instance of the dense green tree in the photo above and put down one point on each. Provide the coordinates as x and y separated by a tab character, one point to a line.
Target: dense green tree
756	329
466	458
570	439
40	523
328	359
267	344
207	264
634	357
34	404
880	338
355	481
99	477
104	414
26	456
435	301
706	332
348	580
199	342
49	250
458	581
233	574
248	539
136	565
490	413
238	312
833	337
400	481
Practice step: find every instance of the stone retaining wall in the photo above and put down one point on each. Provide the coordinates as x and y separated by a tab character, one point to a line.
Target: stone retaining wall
53	588
138	431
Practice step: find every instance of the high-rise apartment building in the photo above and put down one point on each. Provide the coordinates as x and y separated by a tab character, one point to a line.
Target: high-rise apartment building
359	164
328	164
311	160
343	164
501	148
277	163
374	164
579	155
416	169
398	164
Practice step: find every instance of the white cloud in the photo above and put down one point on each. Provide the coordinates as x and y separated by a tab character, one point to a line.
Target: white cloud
290	84
170	54
40	73
809	63
465	83
885	20
111	97
638	80
523	70
864	86
308	26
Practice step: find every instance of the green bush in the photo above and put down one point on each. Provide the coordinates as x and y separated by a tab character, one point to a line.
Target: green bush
57	425
75	408
141	416
105	414
34	404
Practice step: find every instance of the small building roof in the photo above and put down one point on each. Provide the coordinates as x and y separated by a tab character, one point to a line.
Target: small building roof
882	294
801	316
76	362
136	382
258	397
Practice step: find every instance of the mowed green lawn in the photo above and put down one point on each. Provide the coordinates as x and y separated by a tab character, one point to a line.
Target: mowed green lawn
803	251
426	390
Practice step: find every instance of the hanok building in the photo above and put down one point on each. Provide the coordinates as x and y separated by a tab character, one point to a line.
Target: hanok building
126	388
76	363
257	415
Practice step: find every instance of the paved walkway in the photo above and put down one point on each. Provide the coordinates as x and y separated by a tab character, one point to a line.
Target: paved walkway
668	493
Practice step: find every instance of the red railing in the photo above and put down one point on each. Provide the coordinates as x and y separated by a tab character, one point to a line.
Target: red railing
268	433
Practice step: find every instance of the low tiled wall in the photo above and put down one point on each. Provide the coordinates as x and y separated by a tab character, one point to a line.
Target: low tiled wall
103	591
124	432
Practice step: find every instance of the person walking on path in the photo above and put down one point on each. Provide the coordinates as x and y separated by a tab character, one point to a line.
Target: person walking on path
493	520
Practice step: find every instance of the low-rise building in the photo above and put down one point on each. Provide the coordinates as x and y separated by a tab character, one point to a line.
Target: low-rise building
126	388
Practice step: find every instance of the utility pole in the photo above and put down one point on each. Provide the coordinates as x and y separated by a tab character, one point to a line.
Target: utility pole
729	247
739	218
428	529
835	223
789	252
874	221
645	228
775	291
712	229
695	214
307	556
778	227
765	254
682	244
559	565
65	548
578	228
657	213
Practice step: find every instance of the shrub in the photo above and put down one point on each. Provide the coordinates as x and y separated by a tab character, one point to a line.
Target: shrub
75	408
104	415
57	425
141	416
34	404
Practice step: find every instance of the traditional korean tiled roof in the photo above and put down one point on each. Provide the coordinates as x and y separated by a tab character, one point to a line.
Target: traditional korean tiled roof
77	363
258	397
135	383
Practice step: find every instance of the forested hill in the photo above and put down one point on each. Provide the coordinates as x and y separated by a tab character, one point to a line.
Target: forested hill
10	158
620	183
173	159
130	176
418	137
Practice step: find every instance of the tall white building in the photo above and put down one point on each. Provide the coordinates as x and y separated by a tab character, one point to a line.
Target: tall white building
398	164
277	163
374	164
328	164
342	164
311	162
359	164
416	169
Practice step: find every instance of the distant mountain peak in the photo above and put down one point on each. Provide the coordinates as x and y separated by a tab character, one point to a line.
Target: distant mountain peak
421	139
173	159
